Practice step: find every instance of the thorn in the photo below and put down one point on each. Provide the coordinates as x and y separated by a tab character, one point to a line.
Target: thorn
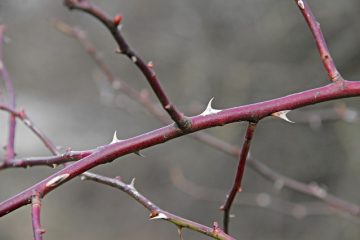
232	216
209	109
117	20
282	115
54	165
301	4
133	59
118	50
83	178
150	65
115	139
139	154
132	184
158	216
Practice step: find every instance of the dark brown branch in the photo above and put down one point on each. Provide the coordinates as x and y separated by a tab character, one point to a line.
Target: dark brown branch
314	26
35	216
239	174
155	211
86	6
10	147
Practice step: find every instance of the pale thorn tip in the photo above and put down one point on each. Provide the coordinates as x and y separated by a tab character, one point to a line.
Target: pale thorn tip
301	4
282	115
82	178
159	216
209	109
132	184
115	138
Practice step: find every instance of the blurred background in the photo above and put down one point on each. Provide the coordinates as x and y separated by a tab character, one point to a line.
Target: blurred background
237	51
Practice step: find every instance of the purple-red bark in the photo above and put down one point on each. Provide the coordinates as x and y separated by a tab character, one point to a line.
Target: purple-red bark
253	112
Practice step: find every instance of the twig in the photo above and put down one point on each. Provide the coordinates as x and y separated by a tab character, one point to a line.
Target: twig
239	174
113	25
155	211
311	189
35	216
10	147
314	26
260	200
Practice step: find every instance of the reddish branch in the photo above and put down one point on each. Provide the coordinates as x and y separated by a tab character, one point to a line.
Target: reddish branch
239	175
35	216
314	26
10	147
251	113
155	211
124	48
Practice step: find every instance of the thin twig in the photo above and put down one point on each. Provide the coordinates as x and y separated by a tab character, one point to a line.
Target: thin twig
239	174
314	26
35	216
10	147
155	211
86	6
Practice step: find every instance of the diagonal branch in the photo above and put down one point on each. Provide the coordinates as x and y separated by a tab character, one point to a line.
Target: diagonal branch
35	216
155	211
239	174
124	48
10	147
252	112
323	49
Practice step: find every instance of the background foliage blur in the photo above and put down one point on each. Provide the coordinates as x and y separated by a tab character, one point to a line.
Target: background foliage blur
238	51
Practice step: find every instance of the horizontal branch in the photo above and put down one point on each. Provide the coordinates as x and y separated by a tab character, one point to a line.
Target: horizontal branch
252	112
155	211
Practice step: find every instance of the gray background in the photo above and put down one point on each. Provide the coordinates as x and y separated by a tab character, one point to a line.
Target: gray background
236	51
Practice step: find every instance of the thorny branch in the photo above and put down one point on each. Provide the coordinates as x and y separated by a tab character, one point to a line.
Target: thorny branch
147	69
252	113
337	113
155	211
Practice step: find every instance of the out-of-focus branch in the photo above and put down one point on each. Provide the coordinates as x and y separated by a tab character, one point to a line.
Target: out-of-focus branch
239	174
155	211
311	189
315	118
10	147
147	69
35	216
314	26
260	200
